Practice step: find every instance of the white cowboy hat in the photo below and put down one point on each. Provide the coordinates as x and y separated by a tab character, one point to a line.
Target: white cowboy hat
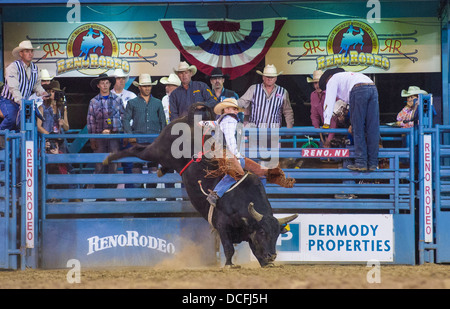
270	71
228	102
45	75
184	66
22	45
171	80
315	77
120	73
413	90
145	80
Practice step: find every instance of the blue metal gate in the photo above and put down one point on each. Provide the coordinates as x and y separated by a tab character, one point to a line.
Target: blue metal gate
112	226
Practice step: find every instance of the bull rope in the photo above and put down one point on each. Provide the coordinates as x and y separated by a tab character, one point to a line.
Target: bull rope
211	207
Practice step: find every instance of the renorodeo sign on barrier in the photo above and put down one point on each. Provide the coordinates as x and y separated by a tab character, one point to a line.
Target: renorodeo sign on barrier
30	195
428	188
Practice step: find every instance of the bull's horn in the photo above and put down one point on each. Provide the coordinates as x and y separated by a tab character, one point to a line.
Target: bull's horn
286	220
256	215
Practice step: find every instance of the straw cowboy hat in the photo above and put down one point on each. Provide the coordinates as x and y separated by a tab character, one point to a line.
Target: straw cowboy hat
184	66
45	75
228	102
120	73
315	77
95	81
171	80
145	80
326	75
413	90
22	45
270	71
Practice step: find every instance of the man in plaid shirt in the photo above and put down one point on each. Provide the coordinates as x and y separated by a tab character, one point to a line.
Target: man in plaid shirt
104	117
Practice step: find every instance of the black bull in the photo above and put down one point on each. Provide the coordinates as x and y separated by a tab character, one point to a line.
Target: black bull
242	214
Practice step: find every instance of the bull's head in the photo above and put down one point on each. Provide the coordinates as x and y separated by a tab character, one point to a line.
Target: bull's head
264	237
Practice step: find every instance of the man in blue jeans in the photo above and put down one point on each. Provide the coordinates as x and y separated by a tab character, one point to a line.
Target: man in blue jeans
362	96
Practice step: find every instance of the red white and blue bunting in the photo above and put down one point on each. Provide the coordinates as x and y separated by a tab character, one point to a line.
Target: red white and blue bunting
234	46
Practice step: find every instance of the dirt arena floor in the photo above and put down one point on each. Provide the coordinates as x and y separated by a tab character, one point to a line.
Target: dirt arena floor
427	276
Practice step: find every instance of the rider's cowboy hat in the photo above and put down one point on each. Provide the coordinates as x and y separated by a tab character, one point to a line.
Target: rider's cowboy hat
315	77
413	90
145	80
103	76
45	75
22	45
270	71
184	66
326	75
171	80
228	102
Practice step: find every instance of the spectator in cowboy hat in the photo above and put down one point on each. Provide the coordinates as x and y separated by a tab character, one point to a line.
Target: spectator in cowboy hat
407	116
267	102
22	80
145	111
45	80
172	82
217	80
119	87
189	92
147	114
105	117
126	95
361	94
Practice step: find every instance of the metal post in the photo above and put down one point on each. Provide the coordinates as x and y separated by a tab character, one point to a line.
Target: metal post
29	161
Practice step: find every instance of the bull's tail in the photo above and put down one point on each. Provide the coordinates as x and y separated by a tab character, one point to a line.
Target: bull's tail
129	152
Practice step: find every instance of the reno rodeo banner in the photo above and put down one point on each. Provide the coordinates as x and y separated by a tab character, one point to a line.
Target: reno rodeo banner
402	45
89	49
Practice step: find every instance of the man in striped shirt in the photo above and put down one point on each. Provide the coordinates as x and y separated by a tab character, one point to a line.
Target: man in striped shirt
22	79
267	102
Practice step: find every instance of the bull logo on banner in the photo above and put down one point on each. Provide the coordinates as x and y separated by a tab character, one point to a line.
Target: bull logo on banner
354	46
92	49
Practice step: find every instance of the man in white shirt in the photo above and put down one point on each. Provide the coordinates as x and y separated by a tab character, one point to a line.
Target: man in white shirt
125	95
360	92
119	87
172	82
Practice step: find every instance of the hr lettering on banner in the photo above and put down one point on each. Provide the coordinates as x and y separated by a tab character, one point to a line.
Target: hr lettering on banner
427	189
30	197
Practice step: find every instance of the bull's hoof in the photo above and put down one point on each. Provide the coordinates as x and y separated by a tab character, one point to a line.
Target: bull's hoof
272	265
232	266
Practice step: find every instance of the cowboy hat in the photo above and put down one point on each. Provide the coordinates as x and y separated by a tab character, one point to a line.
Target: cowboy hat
270	71
184	66
326	75
145	80
315	77
171	80
22	45
120	73
95	81
54	85
45	75
228	102
217	72
413	90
